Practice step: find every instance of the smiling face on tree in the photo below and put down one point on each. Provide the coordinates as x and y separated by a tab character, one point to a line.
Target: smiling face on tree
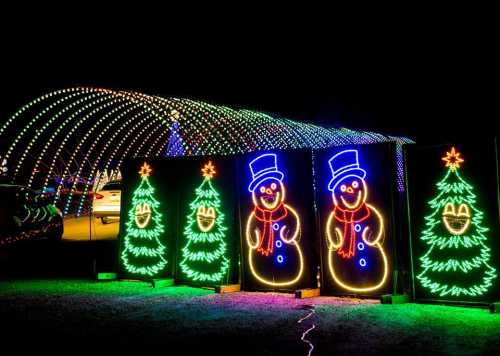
268	194
205	217
142	215
456	218
350	193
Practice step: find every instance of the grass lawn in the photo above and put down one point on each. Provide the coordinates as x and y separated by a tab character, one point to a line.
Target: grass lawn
91	315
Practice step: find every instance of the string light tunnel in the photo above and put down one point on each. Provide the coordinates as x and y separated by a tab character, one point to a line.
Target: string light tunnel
58	142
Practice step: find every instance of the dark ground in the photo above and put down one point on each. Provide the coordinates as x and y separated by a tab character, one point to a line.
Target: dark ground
89	316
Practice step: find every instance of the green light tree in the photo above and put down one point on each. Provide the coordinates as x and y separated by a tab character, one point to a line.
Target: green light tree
143	253
457	261
204	256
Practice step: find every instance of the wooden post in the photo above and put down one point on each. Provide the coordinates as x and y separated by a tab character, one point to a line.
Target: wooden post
307	293
230	288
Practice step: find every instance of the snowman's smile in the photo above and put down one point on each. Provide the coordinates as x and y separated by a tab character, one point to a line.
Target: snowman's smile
270	201
354	205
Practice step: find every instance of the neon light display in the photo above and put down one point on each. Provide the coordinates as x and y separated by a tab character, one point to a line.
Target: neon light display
273	227
456	263
86	130
143	253
204	256
142	215
354	229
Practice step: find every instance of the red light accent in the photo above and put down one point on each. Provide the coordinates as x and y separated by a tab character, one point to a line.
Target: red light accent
98	196
349	218
266	243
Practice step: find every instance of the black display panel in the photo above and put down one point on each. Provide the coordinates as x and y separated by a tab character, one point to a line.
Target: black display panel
454	222
208	231
355	190
148	224
277	220
197	238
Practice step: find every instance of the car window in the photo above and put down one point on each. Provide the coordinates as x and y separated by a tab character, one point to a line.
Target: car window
112	186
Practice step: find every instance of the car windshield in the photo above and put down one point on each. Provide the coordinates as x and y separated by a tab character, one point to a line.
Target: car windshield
112	186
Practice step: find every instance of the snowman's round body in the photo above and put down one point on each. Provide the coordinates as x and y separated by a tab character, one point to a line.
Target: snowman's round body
355	231
282	264
361	267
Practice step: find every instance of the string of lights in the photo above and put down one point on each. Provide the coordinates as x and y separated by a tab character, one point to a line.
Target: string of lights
65	130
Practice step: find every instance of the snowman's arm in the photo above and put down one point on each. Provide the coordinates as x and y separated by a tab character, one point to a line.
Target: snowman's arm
292	233
333	233
375	233
252	232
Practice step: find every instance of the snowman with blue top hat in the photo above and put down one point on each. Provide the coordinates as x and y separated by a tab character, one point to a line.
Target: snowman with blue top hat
273	227
355	229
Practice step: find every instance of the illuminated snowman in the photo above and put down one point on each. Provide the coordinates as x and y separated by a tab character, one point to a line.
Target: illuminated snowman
355	229
273	228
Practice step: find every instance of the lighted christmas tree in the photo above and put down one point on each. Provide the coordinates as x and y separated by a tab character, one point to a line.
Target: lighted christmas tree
457	261
204	256
143	253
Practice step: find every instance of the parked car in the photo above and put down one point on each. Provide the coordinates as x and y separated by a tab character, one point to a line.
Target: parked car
26	214
106	205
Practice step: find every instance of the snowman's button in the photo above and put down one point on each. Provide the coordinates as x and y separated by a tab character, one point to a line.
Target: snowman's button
280	259
361	246
278	243
357	227
276	226
362	262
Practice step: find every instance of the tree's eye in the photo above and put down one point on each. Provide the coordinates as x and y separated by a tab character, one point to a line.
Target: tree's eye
449	209
463	210
262	189
273	186
355	184
343	188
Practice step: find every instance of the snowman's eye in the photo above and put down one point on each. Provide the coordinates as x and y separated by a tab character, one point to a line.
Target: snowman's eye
273	186
355	184
262	189
342	187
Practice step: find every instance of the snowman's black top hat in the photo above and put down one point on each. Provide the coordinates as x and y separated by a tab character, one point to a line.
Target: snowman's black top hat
344	164
263	167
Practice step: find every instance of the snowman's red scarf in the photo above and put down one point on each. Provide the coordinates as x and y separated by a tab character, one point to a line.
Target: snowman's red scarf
268	217
349	218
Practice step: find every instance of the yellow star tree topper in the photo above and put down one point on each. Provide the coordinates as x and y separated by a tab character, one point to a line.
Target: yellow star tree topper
453	159
145	170
208	170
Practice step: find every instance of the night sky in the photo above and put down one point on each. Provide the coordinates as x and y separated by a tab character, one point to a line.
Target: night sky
435	87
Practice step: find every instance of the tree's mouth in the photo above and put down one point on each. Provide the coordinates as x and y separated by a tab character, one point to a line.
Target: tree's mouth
142	219
457	225
205	223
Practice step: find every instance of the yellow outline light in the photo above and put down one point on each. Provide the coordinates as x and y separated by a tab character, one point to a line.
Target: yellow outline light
292	241
203	215
142	211
463	211
332	247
